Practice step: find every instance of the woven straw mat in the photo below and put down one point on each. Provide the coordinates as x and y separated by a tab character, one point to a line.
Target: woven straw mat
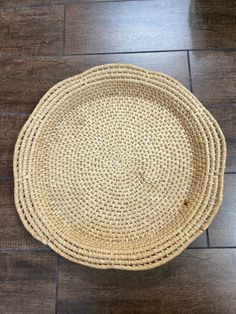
119	167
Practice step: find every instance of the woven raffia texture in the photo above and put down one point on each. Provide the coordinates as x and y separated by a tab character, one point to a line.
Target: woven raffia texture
119	167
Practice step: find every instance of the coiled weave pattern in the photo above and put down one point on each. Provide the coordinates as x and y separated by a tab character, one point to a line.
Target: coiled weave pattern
119	167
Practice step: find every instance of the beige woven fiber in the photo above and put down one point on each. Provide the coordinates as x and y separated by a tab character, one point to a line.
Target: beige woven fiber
119	167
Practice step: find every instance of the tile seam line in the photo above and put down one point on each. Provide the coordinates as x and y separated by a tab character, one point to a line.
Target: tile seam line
223	49
208	238
212	248
189	72
25	57
57	282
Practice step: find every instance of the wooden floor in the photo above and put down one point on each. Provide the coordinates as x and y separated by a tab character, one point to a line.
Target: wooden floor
43	42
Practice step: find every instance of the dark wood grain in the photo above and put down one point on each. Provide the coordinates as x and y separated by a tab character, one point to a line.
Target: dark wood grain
24	81
226	117
31	31
214	76
222	231
27	283
149	25
10	126
13	235
198	281
31	61
200	241
23	3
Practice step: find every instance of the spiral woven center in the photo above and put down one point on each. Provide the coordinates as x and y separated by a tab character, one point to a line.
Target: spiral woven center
114	163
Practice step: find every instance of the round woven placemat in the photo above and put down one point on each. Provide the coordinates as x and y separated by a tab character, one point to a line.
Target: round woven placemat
119	167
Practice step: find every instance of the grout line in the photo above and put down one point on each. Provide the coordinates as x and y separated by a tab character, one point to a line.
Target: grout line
104	1
189	73
109	1
208	238
9	58
57	275
120	52
150	51
212	248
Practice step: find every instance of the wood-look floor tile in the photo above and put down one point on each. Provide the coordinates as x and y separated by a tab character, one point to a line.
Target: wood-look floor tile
226	117
10	126
31	31
24	3
197	281
200	241
214	76
24	81
222	231
13	235
27	282
149	25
